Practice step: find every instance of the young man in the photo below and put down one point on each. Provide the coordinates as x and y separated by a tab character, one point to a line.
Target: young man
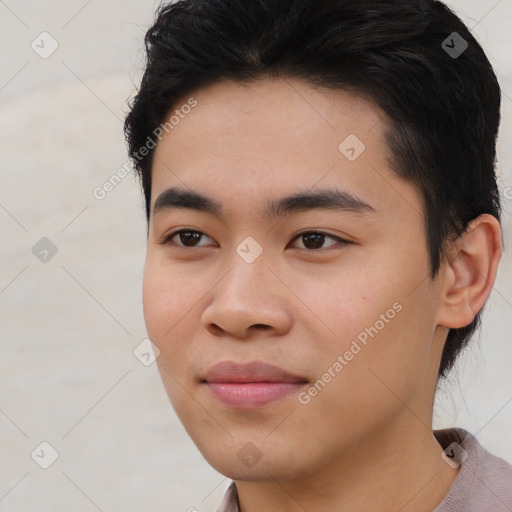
323	232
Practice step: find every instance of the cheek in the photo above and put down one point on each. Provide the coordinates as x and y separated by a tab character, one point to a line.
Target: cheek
162	311
167	296
393	350
163	307
346	303
171	299
376	315
155	299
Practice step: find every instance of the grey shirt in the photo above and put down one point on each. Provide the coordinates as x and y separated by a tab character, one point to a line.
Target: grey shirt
484	482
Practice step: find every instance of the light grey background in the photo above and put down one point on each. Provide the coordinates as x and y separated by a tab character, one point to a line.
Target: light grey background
69	326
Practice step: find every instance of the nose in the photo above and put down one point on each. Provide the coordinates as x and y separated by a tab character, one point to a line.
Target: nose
249	300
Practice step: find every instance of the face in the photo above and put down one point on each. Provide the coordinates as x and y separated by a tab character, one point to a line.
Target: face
332	287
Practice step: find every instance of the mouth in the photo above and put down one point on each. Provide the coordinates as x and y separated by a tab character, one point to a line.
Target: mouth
250	385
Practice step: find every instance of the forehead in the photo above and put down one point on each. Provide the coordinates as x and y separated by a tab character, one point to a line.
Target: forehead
263	139
272	104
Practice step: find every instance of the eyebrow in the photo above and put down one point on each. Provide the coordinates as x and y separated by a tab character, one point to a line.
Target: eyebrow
328	199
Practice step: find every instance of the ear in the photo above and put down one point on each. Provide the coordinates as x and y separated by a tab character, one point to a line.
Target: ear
470	271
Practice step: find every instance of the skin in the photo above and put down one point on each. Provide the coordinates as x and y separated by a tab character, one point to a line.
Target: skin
365	442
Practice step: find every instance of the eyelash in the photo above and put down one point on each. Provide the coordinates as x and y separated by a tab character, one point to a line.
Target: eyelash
166	240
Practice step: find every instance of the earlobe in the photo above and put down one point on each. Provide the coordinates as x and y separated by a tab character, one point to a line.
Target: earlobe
470	272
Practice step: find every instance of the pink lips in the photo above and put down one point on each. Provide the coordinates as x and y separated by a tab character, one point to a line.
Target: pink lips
250	385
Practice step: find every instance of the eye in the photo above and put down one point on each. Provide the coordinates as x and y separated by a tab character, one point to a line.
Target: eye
315	239
187	237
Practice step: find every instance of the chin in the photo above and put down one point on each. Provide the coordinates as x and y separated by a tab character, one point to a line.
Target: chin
245	461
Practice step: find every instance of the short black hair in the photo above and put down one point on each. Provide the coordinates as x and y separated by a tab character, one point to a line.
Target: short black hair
408	56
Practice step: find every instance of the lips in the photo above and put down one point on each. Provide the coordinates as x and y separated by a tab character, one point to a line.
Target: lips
256	371
250	385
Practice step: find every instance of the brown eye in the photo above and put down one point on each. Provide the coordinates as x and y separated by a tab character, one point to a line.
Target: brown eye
184	237
313	240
